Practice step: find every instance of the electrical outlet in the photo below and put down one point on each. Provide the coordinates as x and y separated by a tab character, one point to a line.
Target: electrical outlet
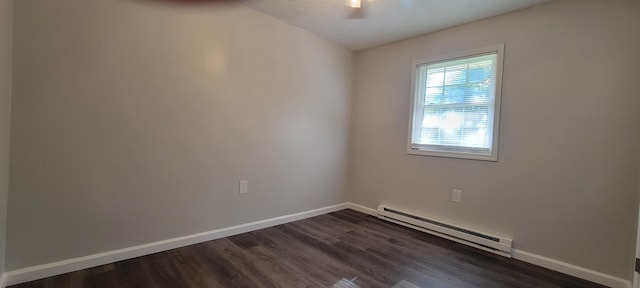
244	187
456	195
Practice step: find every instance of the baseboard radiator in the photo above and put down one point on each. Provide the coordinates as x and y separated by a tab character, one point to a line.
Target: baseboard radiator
480	240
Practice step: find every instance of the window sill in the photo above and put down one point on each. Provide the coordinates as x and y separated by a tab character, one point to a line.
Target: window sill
448	154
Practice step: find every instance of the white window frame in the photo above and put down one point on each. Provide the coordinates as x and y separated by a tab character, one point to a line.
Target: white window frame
455	151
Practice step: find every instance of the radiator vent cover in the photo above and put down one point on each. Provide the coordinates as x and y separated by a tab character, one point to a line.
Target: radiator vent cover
494	244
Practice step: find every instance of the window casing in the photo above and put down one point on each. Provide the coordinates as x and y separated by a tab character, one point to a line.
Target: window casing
455	107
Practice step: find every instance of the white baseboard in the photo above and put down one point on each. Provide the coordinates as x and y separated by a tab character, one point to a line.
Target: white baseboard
3	280
56	268
70	265
573	270
363	209
566	268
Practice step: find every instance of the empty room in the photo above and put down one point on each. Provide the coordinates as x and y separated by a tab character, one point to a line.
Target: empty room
319	143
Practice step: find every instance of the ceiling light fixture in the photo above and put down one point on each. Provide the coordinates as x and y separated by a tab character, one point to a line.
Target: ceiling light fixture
353	3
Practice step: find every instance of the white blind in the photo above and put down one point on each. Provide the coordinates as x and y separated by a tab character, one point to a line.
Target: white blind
453	108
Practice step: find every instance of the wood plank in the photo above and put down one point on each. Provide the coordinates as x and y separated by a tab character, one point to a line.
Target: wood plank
340	249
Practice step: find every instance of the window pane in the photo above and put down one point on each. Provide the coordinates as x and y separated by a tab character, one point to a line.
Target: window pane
456	112
480	71
435	77
434	96
478	92
441	126
455	75
454	94
476	123
461	126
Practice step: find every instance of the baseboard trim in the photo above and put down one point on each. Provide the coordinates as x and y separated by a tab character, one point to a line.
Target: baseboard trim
362	209
3	280
56	268
552	264
573	270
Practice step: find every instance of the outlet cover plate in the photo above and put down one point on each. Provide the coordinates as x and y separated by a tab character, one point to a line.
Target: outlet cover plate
244	187
456	195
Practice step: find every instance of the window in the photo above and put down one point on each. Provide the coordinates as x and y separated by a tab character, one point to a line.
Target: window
455	105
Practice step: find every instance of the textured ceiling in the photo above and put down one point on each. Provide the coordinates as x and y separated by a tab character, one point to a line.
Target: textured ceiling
383	21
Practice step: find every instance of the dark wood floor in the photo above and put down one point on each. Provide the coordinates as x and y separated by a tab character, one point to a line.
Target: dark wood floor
341	249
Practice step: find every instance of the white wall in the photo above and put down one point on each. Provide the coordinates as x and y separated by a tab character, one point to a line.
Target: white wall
133	122
565	185
6	31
